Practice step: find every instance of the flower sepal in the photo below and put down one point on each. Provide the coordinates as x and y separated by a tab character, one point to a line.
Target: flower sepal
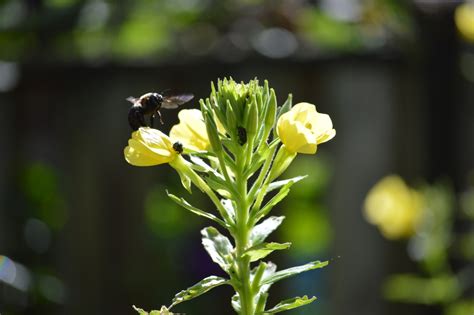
283	159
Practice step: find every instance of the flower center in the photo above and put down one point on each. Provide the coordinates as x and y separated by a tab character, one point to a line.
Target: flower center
308	125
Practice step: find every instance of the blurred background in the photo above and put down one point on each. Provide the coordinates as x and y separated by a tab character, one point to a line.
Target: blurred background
81	231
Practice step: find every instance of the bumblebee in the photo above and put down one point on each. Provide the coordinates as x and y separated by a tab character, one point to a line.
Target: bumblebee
149	104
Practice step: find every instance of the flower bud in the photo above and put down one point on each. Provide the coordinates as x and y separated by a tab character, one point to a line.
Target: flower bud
212	133
252	120
270	115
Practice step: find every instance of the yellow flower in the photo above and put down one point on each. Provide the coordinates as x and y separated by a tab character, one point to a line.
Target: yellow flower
149	147
394	207
302	128
464	18
191	130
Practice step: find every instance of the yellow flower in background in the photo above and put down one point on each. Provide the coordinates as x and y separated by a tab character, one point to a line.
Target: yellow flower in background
394	207
464	18
191	130
302	128
149	147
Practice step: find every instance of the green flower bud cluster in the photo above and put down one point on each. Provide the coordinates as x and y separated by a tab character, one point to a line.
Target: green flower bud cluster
247	111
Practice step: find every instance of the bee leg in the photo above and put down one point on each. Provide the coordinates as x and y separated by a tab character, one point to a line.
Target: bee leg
152	118
159	116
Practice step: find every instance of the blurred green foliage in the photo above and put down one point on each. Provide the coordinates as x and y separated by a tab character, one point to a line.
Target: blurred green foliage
443	252
40	184
307	221
99	30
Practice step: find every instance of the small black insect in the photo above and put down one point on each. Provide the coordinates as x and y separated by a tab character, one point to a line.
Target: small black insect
242	134
178	147
150	104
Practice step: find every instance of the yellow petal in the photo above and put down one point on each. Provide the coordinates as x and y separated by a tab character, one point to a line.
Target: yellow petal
464	18
303	112
191	130
153	138
394	207
138	158
149	147
302	128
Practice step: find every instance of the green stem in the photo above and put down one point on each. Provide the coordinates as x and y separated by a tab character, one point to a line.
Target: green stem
262	180
242	237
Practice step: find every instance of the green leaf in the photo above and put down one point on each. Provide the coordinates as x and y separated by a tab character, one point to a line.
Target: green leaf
280	183
199	288
218	246
185	181
216	184
261	302
140	310
411	288
257	161
261	231
282	274
203	166
270	269
264	249
264	270
163	311
290	304
236	302
275	200
229	208
183	203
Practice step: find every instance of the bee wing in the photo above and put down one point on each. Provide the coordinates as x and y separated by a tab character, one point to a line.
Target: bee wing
174	101
131	99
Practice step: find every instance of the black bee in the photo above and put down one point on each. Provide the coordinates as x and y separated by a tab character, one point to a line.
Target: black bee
150	104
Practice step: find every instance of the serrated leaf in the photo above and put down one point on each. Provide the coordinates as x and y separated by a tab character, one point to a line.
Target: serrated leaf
261	231
183	203
290	304
199	288
218	246
264	249
282	274
281	183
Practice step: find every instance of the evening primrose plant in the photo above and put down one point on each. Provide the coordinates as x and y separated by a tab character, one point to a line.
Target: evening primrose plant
234	149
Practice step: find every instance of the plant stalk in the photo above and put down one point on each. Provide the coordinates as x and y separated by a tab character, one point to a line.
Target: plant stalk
242	238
